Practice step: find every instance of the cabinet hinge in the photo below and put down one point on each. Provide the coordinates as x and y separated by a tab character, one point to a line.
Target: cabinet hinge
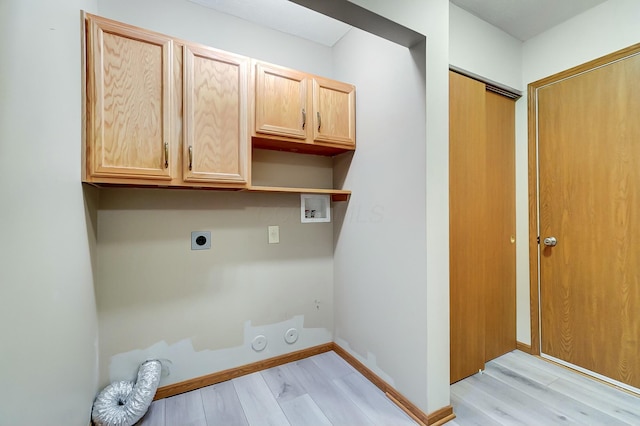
538	239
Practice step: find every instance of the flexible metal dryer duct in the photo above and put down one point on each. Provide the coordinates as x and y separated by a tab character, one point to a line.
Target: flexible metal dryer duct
124	403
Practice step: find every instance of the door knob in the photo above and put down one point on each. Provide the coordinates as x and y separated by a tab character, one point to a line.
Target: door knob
550	241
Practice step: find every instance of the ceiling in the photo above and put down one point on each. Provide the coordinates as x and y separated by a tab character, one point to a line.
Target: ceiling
523	19
284	16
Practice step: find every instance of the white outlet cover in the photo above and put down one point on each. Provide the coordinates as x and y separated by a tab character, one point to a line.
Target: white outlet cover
274	234
259	343
291	336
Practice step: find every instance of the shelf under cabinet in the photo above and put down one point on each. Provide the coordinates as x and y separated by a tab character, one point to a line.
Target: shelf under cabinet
277	143
336	194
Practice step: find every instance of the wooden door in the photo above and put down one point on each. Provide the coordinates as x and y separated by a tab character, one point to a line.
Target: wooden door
215	116
282	107
467	220
129	101
334	109
482	225
500	281
589	200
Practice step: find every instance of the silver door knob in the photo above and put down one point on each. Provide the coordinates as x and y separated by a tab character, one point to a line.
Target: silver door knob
550	241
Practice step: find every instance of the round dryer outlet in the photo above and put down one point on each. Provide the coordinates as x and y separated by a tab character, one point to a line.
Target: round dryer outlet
291	336
259	343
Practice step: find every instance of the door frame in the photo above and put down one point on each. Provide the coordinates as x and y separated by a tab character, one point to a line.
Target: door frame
532	124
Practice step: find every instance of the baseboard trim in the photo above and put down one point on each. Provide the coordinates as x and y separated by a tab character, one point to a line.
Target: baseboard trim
523	347
402	402
436	418
232	373
441	416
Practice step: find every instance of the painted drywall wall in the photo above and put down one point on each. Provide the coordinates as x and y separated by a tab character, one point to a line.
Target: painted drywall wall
48	323
154	292
598	31
380	238
428	336
484	50
195	23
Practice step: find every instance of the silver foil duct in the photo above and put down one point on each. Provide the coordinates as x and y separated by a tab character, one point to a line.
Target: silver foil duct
124	403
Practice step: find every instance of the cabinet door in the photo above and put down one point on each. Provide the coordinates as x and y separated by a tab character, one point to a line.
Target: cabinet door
281	102
215	116
129	97
334	106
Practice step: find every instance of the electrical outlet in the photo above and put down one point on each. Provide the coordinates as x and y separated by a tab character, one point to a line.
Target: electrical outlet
200	240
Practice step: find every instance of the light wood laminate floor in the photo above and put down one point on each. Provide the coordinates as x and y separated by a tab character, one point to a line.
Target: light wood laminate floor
519	389
515	389
320	390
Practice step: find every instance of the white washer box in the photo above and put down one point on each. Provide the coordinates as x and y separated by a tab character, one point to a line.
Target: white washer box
315	208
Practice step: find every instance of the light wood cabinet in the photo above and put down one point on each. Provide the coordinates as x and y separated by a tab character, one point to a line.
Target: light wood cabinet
282	105
129	97
301	112
162	112
335	111
215	116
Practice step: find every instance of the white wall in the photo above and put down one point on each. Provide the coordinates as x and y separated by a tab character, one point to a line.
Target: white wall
196	23
484	50
430	338
604	29
48	367
380	236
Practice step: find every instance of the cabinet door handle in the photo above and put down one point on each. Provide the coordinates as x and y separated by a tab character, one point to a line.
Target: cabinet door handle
319	120
190	157
304	118
166	155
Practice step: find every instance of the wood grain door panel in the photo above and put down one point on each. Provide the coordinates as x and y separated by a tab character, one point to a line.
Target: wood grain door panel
482	225
129	98
215	116
468	217
500	282
281	102
589	191
334	106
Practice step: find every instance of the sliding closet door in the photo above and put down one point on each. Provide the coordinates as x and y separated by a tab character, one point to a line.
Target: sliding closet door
482	225
500	282
467	219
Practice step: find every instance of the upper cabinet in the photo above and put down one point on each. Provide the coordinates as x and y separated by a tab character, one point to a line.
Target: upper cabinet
129	97
334	105
282	104
160	111
302	112
215	115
